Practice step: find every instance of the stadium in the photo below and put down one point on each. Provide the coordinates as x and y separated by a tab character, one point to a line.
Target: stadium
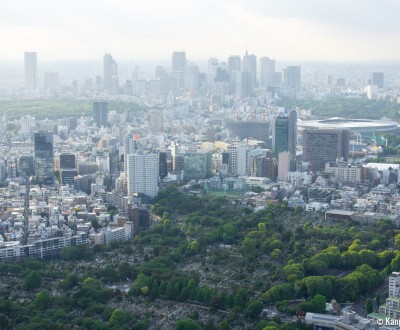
362	126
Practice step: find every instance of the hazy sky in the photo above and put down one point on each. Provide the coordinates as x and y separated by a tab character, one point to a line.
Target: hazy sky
304	30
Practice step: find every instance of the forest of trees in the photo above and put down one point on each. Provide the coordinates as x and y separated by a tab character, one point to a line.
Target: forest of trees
269	257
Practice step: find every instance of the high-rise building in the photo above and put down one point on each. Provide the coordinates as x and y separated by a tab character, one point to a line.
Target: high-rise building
192	78
234	68
26	166
110	75
67	161
324	145
292	133
292	77
246	84
178	61
31	82
268	167
162	163
249	65
285	134
142	173
258	130
178	69
281	135
44	158
234	63
284	160
100	113
197	164
378	79
267	67
212	71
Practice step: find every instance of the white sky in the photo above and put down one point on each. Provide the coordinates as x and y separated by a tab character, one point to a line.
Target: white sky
304	30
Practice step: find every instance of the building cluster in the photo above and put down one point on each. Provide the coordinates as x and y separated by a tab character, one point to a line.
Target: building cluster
235	77
217	133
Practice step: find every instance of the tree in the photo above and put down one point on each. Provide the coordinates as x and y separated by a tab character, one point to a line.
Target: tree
187	324
397	240
155	290
369	306
253	309
32	281
42	300
95	224
318	304
117	318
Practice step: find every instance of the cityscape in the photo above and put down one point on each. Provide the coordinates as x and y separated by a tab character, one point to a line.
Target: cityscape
242	189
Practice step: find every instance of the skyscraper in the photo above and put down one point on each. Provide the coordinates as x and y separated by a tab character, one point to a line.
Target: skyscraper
178	69
44	158
267	72
378	79
249	65
142	173
292	77
234	63
31	83
285	134
292	133
110	75
324	145
234	67
100	113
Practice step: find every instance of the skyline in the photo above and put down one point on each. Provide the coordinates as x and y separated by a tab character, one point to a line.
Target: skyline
306	31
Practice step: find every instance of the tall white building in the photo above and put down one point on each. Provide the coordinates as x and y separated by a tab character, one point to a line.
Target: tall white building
31	81
267	72
283	164
142	173
238	160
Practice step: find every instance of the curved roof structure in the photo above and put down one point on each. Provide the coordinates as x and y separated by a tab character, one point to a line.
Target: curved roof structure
354	125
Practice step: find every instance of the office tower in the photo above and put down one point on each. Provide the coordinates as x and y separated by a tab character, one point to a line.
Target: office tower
378	79
292	77
258	130
100	113
67	161
324	145
178	69
197	165
234	63
157	121
284	160
285	134
268	167
281	135
110	75
44	158
292	133
267	67
142	173
192	78
162	163
26	166
234	68
2	170
31	82
246	84
249	65
212	71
